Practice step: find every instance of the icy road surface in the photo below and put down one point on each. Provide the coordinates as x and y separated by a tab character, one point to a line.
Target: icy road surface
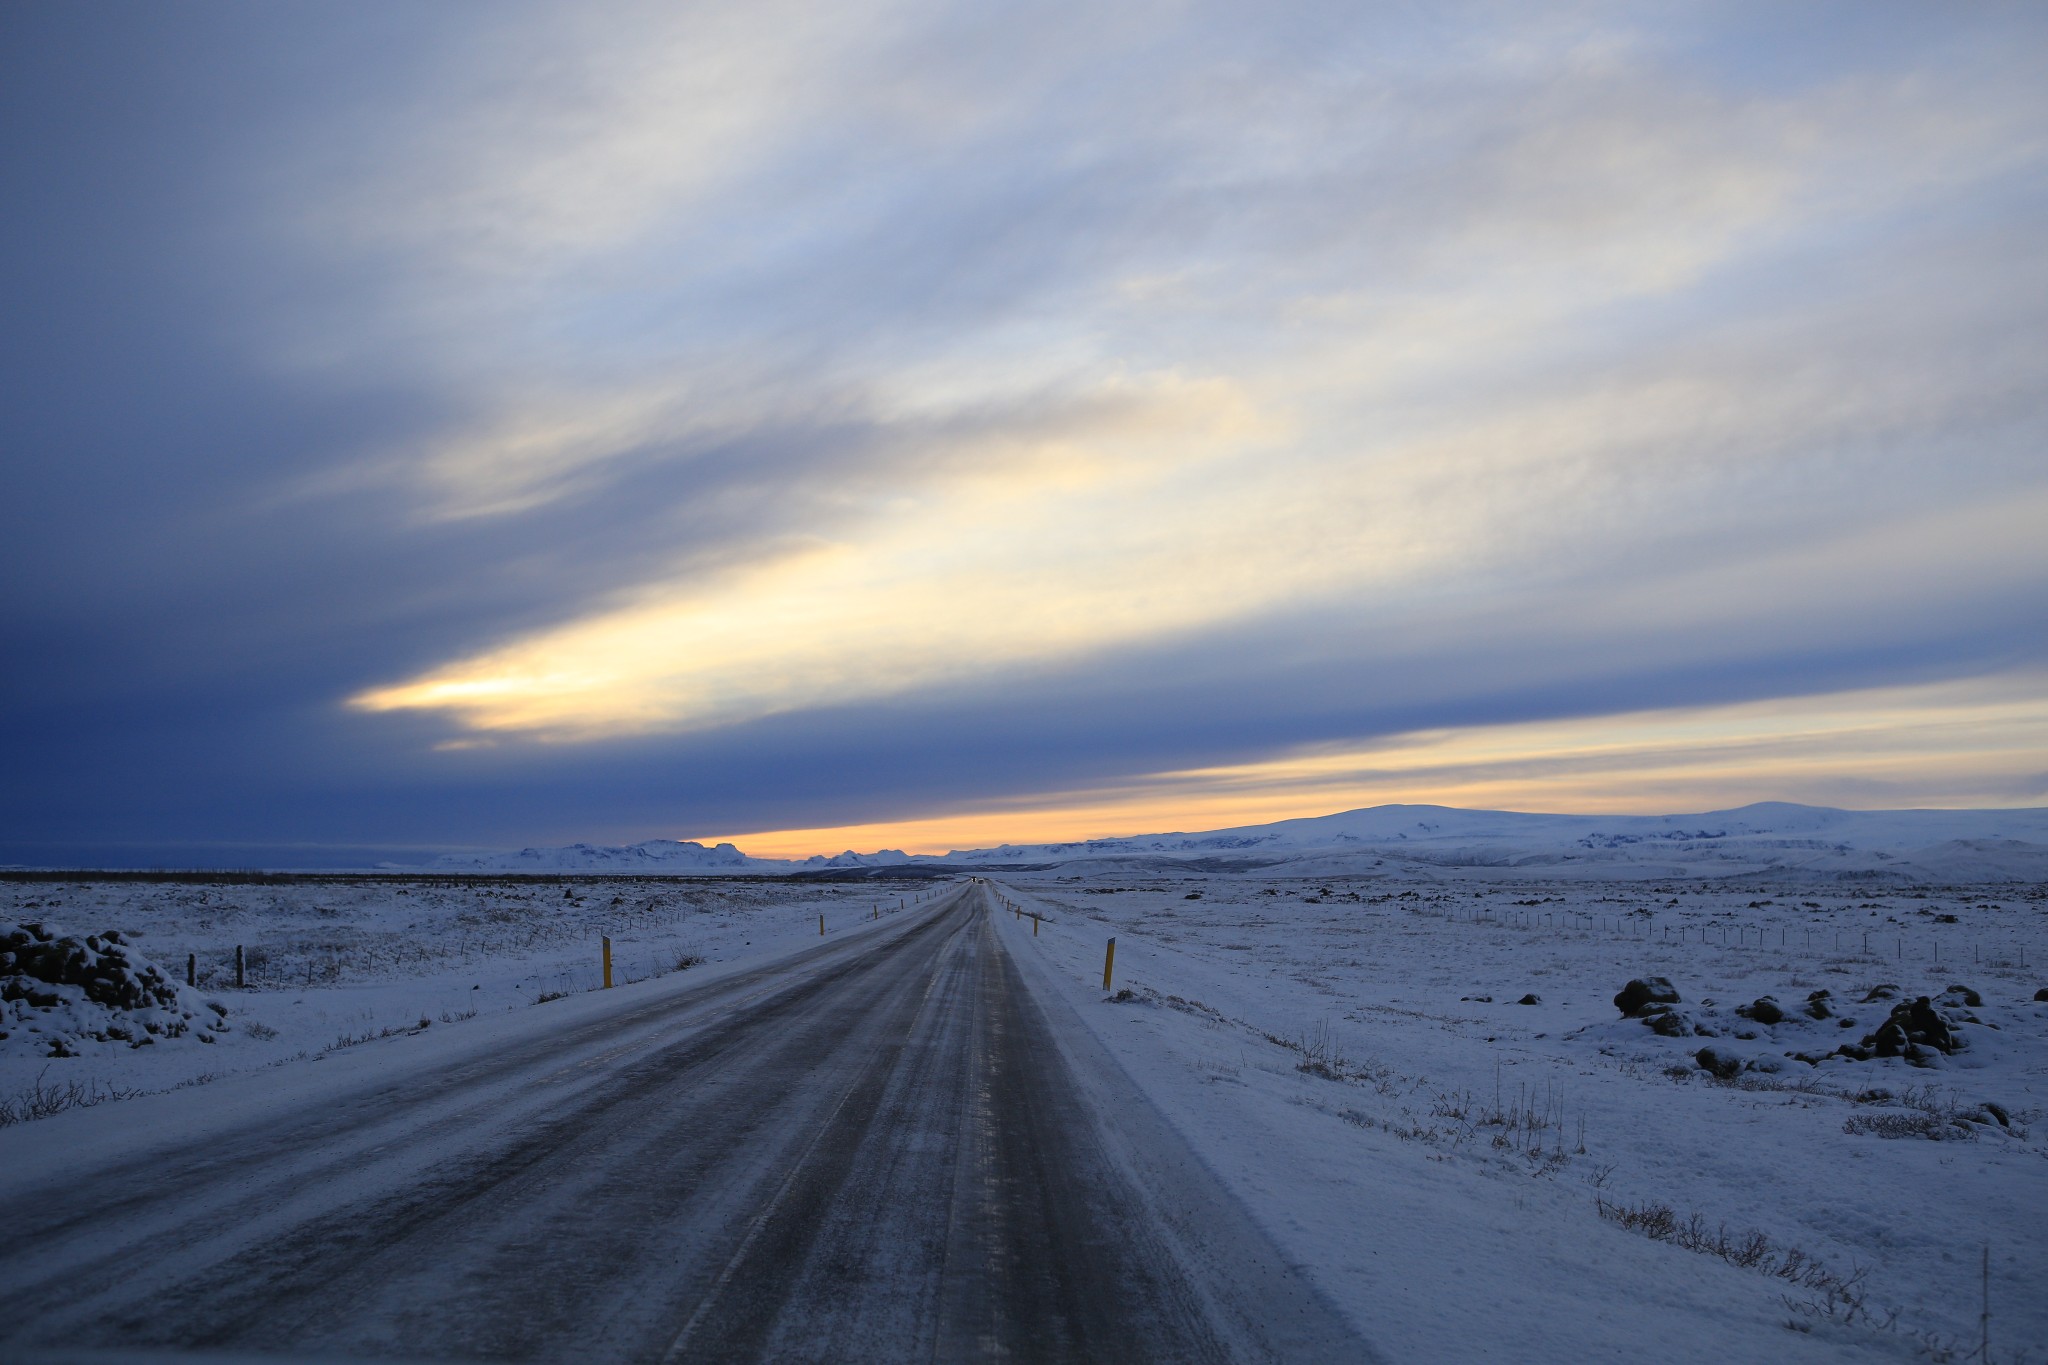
882	1149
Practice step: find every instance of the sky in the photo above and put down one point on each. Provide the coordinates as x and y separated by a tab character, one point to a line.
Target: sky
919	425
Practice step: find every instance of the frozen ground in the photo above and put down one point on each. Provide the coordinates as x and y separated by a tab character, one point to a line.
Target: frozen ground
1351	1054
332	963
1467	1177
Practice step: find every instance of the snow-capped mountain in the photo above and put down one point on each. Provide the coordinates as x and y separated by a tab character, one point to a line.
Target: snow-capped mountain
655	855
886	857
1914	845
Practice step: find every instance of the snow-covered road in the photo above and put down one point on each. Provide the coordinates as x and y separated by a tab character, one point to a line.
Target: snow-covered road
884	1147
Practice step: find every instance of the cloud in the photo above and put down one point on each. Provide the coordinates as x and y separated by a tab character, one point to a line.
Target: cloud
624	392
936	583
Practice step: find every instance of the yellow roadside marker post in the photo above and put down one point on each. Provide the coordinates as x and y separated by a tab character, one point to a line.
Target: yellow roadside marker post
607	963
1108	961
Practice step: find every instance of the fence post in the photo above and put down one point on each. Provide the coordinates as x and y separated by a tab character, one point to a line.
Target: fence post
241	975
1108	961
607	960
191	969
821	926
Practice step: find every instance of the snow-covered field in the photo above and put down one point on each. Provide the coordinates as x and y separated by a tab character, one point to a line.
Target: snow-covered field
1468	1176
1461	1169
329	963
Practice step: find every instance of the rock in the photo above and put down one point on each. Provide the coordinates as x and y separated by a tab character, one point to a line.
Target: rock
1926	1026
1889	1041
1530	999
1725	1068
1964	995
1669	1023
2041	994
1887	991
1763	1009
1635	998
1817	1005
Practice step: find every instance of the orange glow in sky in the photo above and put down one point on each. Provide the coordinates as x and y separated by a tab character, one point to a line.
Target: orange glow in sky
1897	747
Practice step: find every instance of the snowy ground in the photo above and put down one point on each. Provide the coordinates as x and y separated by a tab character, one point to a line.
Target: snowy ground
330	964
1443	1159
1438	1158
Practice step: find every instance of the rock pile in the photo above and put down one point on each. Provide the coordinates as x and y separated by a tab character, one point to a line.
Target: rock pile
1651	999
1763	1009
58	991
1914	1029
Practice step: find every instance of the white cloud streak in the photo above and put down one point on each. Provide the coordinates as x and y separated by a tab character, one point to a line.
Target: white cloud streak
1154	323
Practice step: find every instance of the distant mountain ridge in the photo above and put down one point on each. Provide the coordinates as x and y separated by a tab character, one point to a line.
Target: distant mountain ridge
1404	823
654	855
1820	841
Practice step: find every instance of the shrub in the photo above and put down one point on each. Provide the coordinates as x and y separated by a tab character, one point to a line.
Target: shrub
1915	1124
42	1099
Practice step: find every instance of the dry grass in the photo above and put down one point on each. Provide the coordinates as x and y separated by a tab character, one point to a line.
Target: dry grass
43	1098
1828	1293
